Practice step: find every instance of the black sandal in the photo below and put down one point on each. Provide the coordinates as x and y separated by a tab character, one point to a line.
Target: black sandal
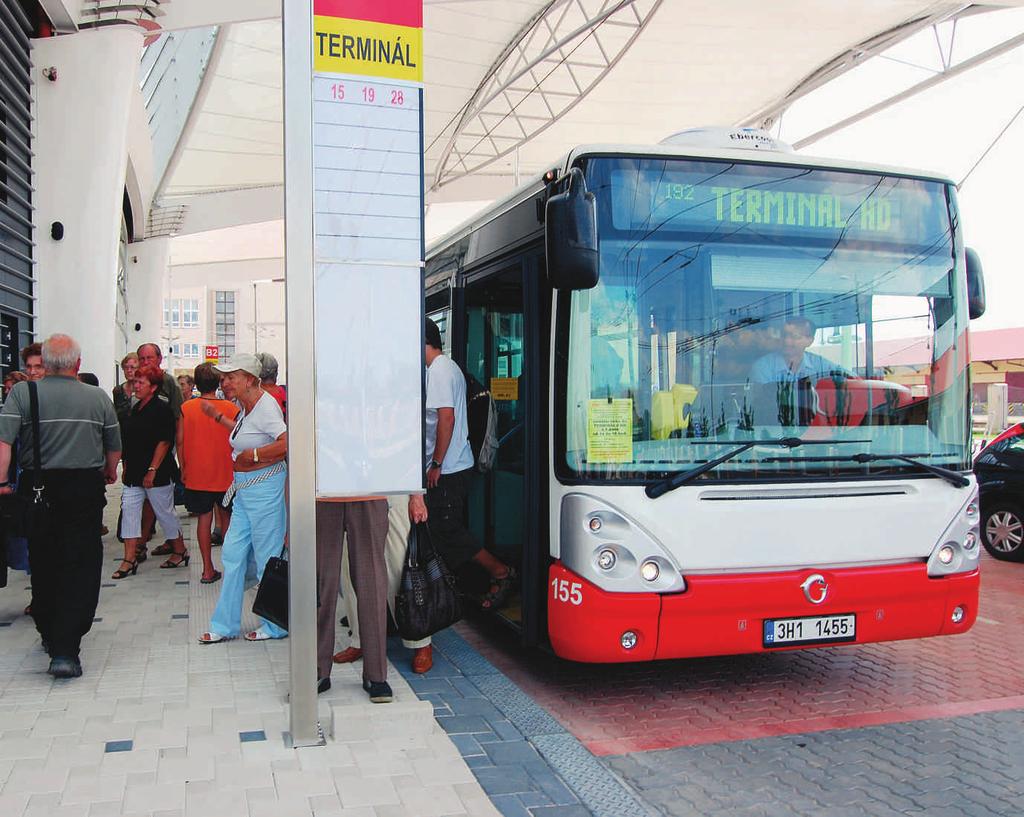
166	549
133	567
500	589
183	558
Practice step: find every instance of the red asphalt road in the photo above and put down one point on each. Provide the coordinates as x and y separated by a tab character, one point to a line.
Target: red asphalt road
619	708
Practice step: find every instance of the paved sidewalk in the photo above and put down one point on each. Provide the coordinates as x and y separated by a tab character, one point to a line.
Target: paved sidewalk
161	725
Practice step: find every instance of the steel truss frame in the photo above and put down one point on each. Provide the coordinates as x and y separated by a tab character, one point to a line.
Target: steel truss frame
945	41
100	13
555	60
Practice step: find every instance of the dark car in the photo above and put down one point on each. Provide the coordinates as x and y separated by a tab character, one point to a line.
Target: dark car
1000	471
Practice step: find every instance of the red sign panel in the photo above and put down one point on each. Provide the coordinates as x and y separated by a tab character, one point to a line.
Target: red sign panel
394	12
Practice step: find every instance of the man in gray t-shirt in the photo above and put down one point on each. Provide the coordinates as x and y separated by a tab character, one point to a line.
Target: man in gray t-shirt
79	448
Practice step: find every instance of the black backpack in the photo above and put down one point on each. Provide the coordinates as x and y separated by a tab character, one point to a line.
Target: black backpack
481	420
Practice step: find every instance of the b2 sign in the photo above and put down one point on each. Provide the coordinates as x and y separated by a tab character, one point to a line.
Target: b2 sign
368	245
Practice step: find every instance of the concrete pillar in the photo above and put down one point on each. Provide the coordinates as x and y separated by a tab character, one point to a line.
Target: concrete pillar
997	408
147	273
81	156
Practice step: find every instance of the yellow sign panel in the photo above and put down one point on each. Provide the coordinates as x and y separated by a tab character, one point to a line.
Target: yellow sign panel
505	388
610	430
342	46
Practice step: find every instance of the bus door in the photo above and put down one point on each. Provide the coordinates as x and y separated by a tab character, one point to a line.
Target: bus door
494	340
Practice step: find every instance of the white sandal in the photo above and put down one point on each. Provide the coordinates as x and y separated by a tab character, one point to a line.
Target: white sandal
258	635
213	638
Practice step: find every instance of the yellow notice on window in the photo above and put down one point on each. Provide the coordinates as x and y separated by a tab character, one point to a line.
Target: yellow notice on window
610	430
505	388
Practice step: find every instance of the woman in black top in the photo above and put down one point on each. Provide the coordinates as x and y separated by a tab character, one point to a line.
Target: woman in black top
148	468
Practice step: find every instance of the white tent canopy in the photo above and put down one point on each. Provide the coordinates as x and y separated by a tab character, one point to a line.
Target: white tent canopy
510	85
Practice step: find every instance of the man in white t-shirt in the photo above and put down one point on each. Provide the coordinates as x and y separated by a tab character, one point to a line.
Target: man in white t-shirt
449	470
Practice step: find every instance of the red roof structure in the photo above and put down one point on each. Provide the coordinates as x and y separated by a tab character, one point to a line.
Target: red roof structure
990	345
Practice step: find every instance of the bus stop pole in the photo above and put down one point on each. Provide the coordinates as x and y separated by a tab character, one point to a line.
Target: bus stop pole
297	28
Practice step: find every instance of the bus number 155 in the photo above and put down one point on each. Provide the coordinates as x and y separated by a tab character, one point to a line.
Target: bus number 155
564	591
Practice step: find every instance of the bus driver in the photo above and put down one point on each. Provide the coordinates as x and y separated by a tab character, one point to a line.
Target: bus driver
794	370
793	362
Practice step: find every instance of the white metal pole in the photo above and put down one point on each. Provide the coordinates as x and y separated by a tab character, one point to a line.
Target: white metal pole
297	19
255	323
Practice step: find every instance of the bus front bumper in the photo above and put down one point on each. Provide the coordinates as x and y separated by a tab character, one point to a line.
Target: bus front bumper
726	614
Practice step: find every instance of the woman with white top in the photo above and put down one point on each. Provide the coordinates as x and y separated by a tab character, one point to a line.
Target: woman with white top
259	444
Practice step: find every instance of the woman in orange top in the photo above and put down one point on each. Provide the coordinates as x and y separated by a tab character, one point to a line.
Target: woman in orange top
204	454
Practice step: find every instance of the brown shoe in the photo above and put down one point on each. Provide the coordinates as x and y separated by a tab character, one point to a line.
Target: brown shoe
348	655
423	659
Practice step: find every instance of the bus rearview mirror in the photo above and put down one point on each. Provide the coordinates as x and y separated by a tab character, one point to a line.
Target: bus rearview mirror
975	285
571	236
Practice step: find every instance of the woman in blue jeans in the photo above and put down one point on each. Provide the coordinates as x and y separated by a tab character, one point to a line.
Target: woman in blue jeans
259	444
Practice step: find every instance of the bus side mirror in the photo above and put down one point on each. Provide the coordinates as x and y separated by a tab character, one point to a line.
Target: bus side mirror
571	236
975	285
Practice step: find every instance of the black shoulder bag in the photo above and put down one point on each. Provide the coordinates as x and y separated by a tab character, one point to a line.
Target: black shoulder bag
35	506
427	599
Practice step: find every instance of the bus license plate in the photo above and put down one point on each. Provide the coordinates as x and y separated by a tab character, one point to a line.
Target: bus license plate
786	632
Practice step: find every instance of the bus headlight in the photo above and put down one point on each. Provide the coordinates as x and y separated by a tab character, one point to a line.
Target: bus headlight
957	551
606	547
628	640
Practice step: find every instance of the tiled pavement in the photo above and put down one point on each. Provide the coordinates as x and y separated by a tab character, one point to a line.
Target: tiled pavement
160	725
523	758
955	767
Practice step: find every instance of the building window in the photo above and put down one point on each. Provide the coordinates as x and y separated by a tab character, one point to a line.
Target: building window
181	312
184	350
225	323
190	313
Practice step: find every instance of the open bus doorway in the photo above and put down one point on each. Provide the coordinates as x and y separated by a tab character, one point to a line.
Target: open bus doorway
494	339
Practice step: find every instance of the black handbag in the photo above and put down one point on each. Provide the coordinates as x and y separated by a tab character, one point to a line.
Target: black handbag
3	557
427	600
34	505
272	594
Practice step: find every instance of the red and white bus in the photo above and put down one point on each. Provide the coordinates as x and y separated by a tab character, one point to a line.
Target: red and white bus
707	445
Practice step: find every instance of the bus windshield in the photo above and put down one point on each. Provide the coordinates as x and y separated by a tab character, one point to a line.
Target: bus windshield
741	302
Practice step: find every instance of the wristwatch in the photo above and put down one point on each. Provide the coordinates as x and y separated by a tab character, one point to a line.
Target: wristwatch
433	464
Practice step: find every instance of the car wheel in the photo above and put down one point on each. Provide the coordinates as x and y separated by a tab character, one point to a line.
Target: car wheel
1002	532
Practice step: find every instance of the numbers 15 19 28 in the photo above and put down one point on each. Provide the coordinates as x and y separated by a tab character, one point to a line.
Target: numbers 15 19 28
368	93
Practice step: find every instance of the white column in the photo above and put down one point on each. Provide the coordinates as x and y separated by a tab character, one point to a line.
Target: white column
147	273
81	155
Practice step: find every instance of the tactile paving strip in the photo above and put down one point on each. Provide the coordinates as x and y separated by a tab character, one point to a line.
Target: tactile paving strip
599	789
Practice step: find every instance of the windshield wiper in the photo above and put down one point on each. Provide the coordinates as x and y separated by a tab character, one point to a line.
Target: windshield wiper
952	477
663	486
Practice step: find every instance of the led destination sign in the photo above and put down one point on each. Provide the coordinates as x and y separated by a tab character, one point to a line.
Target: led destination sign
738	205
691	196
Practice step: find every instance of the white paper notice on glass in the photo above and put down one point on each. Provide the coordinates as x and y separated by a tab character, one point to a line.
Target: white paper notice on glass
368	239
